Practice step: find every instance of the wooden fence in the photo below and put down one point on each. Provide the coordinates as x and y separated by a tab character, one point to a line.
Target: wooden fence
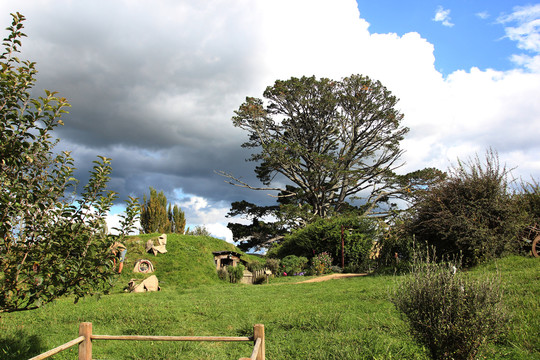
86	337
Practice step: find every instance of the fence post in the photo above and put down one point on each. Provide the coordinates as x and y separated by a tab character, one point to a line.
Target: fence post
258	332
85	347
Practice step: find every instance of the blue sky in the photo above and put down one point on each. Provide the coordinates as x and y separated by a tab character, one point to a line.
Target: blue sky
472	36
154	84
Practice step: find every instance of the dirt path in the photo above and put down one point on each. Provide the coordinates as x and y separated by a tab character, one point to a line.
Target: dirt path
330	277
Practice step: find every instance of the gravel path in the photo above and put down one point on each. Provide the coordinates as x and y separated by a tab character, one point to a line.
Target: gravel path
330	277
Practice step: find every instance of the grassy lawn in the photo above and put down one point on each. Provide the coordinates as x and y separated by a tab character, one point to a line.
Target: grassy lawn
338	319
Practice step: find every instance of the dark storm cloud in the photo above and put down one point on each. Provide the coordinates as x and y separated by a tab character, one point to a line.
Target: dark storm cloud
151	86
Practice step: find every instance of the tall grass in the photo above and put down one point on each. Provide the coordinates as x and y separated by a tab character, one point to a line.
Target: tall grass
341	319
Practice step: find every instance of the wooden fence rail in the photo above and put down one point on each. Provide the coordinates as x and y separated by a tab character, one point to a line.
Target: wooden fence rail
86	337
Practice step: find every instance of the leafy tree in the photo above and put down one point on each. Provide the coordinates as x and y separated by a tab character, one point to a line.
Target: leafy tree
51	244
333	140
324	235
289	213
177	219
472	212
156	217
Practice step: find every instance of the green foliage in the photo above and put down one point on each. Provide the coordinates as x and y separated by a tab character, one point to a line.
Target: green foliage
291	212
273	265
331	139
449	313
236	273
156	217
177	219
471	213
292	264
321	264
51	245
200	230
254	266
324	235
395	248
223	274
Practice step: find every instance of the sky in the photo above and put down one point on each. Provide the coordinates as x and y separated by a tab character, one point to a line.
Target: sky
154	84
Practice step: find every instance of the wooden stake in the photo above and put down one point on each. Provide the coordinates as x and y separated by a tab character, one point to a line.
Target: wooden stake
85	347
258	333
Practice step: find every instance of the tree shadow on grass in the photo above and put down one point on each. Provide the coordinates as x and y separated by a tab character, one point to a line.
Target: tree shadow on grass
20	346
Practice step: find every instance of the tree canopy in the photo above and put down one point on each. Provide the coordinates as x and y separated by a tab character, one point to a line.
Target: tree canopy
156	217
332	140
52	241
320	144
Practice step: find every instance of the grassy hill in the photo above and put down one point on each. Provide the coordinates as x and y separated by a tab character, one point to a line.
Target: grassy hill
339	319
188	263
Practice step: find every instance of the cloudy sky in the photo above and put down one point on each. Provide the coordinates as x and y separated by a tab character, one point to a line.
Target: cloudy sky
153	84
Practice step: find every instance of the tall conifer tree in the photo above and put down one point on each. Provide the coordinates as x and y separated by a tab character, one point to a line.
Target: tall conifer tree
159	216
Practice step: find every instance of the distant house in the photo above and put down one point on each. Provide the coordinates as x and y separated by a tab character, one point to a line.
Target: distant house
226	258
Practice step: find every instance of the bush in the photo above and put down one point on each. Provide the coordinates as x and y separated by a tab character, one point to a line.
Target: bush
293	265
254	266
324	235
321	264
223	274
450	314
273	265
236	273
471	213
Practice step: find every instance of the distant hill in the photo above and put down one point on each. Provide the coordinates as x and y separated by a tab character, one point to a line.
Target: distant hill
188	263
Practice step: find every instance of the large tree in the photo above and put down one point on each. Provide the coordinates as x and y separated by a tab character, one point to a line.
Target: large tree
51	243
157	217
334	140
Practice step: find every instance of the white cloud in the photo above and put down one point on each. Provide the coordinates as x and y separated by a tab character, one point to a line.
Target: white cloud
483	15
199	211
526	33
442	15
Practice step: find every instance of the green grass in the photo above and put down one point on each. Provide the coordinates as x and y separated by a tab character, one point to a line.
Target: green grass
339	319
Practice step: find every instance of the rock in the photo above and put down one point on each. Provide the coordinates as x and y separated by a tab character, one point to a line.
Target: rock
149	284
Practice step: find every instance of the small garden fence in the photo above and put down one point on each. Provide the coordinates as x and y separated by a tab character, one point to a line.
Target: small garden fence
86	337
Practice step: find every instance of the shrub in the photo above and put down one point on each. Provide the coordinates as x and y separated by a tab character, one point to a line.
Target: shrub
236	273
450	314
293	265
254	266
223	274
472	213
321	263
273	265
324	235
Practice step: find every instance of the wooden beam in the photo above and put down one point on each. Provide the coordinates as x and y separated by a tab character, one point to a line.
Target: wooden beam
170	338
258	334
56	350
85	347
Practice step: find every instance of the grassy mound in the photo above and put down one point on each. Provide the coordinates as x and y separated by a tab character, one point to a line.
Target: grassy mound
188	263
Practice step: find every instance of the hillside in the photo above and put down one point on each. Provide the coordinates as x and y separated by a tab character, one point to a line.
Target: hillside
188	262
350	319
